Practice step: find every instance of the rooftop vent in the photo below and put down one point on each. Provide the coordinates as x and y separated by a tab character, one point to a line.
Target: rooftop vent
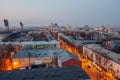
33	71
31	76
24	77
10	73
46	75
78	75
52	74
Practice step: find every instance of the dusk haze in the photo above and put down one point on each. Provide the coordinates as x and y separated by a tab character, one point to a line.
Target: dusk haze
59	39
64	12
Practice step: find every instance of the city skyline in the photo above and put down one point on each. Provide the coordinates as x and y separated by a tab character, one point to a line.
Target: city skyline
64	12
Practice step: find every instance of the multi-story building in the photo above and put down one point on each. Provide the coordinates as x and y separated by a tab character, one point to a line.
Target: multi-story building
105	59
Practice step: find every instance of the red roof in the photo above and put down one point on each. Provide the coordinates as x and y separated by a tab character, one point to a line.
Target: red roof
71	62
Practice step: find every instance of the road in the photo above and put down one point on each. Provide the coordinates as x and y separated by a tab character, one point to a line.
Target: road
94	72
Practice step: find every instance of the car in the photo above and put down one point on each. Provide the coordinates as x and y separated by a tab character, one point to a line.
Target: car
89	67
84	62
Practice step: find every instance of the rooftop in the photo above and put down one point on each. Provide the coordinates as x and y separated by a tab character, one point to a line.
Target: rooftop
65	73
61	54
65	55
38	53
104	52
31	42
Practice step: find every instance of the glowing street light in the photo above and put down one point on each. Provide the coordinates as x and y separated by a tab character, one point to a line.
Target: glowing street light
16	65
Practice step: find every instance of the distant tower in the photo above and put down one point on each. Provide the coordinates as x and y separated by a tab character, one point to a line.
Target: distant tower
86	27
51	24
56	25
21	24
6	24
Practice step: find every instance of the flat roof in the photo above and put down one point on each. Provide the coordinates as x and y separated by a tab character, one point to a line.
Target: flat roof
65	73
